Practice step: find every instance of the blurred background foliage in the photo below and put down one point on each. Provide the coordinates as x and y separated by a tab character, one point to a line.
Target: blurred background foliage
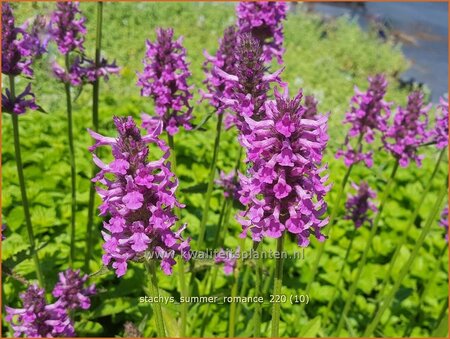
326	59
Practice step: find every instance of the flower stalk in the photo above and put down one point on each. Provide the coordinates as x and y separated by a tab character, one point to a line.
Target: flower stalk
363	260
278	283
73	204
404	238
405	269
212	172
181	270
23	190
95	100
154	291
338	280
258	292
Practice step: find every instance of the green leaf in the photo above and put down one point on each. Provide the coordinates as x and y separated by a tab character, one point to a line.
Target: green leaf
88	328
311	329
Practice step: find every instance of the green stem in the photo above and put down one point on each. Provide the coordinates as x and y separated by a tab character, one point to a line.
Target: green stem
441	328
23	190
154	291
224	214
218	241
212	172
321	247
278	282
404	237
183	288
205	315
95	97
234	291
258	306
337	283
405	269
363	259
72	167
415	319
334	213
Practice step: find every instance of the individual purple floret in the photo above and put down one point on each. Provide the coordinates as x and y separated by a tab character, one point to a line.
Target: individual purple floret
284	190
139	197
83	70
90	73
358	205
408	132
67	27
230	184
228	258
366	117
37	319
71	291
444	221
263	19
440	133
16	51
164	79
22	102
250	82
225	59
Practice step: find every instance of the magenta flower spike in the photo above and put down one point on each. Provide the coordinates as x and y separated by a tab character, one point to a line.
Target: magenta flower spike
17	56
38	29
164	79
263	19
71	292
408	131
285	189
250	82
359	204
440	133
366	117
16	51
219	88
37	319
228	259
444	221
139	200
68	29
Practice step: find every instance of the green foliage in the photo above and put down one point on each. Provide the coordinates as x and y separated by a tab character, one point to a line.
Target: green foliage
326	59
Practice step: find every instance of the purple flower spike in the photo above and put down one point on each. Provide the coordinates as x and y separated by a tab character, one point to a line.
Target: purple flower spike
225	59
408	131
38	37
250	83
164	79
37	319
285	189
230	184
3	231
440	133
228	258
444	221
139	197
263	19
16	50
71	291
358	205
365	117
68	28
